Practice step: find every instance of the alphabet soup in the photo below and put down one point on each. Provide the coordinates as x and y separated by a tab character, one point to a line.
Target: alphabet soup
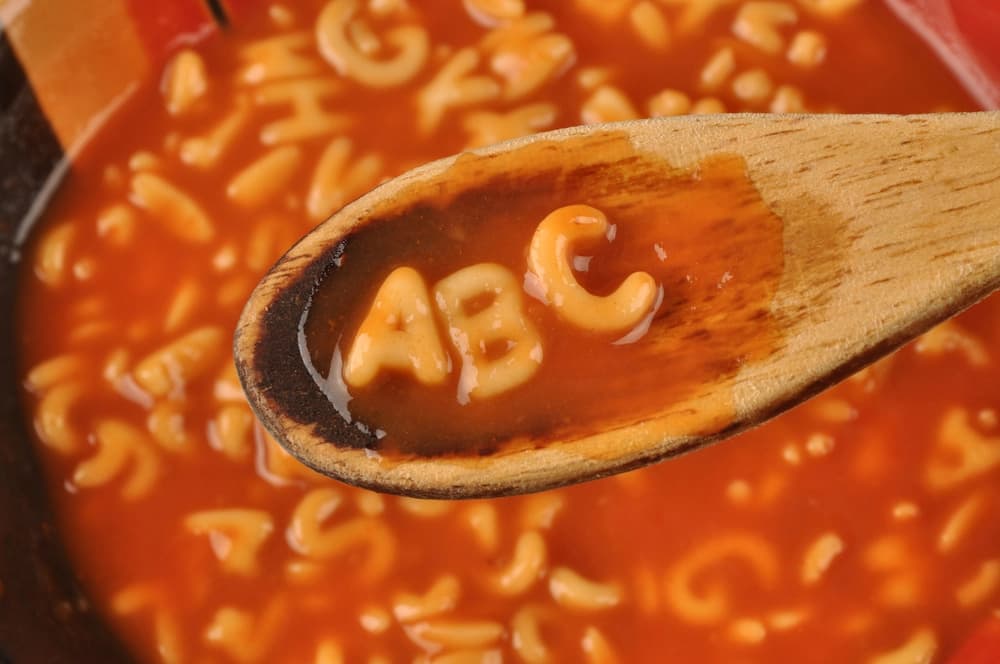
524	312
499	348
861	527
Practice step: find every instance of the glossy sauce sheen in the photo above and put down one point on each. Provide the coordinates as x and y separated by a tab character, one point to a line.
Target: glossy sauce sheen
709	241
856	462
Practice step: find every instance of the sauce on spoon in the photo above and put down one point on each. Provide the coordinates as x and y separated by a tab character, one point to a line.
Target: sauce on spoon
712	249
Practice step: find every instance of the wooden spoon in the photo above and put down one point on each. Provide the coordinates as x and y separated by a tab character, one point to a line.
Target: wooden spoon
891	224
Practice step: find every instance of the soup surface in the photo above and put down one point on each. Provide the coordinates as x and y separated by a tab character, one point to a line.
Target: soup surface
863	526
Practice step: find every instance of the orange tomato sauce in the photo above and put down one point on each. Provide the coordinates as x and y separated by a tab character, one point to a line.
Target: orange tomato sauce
862	526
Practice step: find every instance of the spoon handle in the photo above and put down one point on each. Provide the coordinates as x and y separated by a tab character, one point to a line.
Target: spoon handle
892	224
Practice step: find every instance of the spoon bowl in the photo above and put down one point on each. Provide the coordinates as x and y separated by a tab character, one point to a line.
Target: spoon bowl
886	225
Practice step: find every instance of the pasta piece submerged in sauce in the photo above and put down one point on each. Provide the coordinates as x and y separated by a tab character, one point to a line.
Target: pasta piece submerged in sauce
861	527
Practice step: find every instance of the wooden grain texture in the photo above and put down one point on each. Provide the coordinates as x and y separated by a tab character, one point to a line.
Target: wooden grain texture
891	224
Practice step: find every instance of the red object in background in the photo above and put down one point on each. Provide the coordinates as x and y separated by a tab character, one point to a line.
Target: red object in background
163	26
982	647
966	35
979	23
